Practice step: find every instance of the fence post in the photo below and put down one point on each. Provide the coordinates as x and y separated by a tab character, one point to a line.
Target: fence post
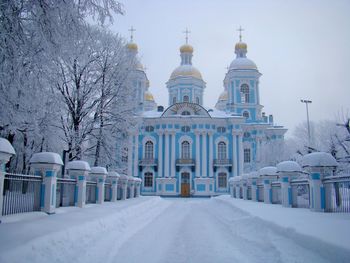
131	186
287	170
138	186
47	164
6	152
230	182
99	173
113	178
254	180
123	180
319	165
79	170
244	187
268	174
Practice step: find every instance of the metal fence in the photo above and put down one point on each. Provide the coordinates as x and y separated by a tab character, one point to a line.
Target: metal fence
65	192
300	193
108	192
91	192
261	193
249	192
276	193
337	192
21	193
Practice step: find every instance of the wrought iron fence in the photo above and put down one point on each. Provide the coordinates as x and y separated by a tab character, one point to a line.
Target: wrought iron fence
276	193
108	192
261	193
300	193
65	192
21	193
91	192
337	192
249	192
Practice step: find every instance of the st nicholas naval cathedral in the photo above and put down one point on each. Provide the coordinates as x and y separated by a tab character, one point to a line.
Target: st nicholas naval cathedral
188	149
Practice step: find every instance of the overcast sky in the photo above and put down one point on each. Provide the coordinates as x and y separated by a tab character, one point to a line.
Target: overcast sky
300	47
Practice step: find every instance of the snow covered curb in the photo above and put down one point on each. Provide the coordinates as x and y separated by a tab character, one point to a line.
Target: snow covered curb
87	232
332	228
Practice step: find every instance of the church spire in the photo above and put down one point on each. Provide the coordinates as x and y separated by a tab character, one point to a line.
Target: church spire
186	50
241	47
131	45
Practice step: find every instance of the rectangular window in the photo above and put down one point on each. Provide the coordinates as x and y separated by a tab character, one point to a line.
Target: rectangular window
148	180
222	178
247	155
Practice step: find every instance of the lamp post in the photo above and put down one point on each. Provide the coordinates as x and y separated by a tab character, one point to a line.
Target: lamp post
307	116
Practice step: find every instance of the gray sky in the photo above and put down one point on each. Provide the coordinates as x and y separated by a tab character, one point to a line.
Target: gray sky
300	47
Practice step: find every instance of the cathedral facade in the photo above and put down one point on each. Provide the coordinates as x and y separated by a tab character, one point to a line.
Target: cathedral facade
188	149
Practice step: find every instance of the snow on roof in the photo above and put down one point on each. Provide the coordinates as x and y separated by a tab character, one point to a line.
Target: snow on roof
152	114
268	170
78	165
6	147
288	166
46	157
113	174
98	170
318	159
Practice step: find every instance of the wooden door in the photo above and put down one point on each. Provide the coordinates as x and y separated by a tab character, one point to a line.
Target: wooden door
185	184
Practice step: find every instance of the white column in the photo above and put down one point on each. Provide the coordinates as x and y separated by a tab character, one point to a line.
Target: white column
234	154
210	154
166	164
136	166
198	169
240	150
130	151
172	168
204	151
160	154
258	142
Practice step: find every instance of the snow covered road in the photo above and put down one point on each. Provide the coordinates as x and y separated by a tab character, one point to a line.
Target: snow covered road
152	229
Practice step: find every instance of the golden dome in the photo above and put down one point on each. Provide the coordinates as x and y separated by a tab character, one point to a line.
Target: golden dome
224	95
186	71
186	48
241	45
148	96
132	46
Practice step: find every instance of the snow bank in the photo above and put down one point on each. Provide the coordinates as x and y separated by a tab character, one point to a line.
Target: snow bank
288	166
46	157
319	159
78	165
6	147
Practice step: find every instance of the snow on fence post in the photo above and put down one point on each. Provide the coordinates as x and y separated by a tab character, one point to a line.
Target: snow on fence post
47	165
268	175
244	186
99	174
230	183
253	180
123	181
6	152
318	165
113	177
287	170
138	187
131	184
79	170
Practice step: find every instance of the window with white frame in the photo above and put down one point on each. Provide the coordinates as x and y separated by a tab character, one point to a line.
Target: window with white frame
186	112
246	114
222	180
222	154
244	93
186	98
185	150
149	150
148	179
247	155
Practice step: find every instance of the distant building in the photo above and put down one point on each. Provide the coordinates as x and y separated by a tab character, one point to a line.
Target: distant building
187	149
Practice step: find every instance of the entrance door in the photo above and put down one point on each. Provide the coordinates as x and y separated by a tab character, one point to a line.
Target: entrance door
185	184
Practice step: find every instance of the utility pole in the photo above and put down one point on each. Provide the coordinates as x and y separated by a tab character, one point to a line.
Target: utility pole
308	121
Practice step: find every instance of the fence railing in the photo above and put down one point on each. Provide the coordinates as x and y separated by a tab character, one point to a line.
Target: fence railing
91	192
276	193
300	193
21	193
108	192
260	193
65	192
337	190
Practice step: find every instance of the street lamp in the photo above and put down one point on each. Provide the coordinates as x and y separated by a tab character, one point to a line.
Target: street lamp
307	115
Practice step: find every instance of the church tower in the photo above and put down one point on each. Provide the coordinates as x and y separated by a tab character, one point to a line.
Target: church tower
186	83
241	83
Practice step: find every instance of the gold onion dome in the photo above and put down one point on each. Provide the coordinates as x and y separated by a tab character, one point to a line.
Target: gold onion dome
186	48
186	71
224	95
148	96
241	45
132	46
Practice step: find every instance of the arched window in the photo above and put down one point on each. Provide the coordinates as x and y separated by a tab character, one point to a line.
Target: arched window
185	150
246	114
244	93
149	150
186	98
186	113
174	100
197	100
222	151
247	155
222	180
148	180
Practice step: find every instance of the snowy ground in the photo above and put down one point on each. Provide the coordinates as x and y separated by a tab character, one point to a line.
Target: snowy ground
152	229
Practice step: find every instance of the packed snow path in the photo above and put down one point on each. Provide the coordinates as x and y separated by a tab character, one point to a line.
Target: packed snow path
151	229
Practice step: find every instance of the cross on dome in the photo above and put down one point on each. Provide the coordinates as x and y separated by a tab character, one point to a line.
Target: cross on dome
186	32
132	30
240	29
